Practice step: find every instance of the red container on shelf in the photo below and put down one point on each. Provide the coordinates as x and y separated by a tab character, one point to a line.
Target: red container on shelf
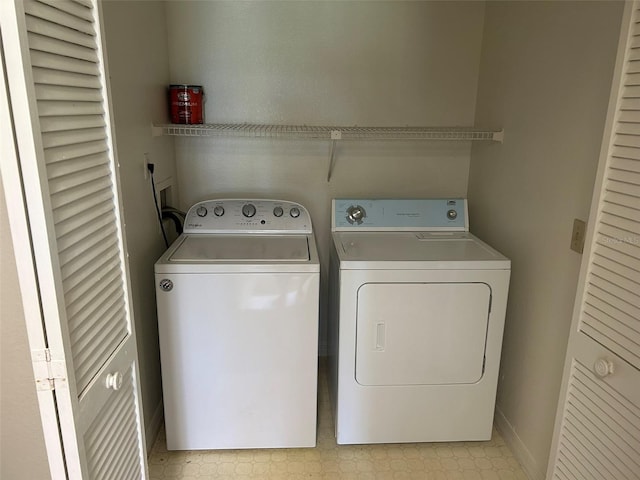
186	104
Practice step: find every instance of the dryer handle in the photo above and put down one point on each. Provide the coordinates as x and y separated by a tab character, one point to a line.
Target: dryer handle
380	336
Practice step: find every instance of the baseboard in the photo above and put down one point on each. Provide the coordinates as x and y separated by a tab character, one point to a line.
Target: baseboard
151	431
517	446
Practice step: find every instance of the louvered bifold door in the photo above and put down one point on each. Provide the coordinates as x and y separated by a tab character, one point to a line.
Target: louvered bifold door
597	433
63	127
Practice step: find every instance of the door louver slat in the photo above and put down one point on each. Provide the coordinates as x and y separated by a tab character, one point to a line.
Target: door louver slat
77	221
83	321
110	334
82	291
597	462
631	103
620	199
57	124
72	137
608	337
84	261
77	179
58	16
627	129
58	77
79	194
622	269
68	250
569	465
626	164
628	140
612	262
54	61
620	187
634	66
618	240
625	176
78	9
40	43
94	226
48	29
71	94
61	109
82	277
631	116
620	320
624	212
623	288
82	315
67	212
624	151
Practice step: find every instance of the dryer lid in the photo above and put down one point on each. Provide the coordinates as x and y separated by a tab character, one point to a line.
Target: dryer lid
417	250
242	248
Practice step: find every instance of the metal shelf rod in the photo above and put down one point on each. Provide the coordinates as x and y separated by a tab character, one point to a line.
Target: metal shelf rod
328	132
332	133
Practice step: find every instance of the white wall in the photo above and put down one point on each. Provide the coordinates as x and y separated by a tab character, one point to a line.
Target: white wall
326	63
139	72
545	77
22	450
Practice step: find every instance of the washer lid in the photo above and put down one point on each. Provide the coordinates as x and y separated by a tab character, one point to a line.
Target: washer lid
241	248
416	250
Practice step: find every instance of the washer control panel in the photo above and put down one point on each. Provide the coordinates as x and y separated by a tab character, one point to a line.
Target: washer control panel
432	214
247	215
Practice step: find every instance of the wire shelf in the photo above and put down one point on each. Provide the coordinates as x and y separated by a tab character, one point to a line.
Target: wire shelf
329	132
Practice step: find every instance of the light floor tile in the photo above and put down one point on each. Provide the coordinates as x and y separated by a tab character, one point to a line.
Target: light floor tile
491	460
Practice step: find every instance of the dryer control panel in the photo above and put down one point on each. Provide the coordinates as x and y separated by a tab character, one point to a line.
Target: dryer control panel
430	214
240	216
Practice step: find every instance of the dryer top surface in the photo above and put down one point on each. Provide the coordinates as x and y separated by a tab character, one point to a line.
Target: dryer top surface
435	250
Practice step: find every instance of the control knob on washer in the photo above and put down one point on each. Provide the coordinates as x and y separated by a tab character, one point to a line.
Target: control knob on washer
294	212
201	211
249	210
452	214
278	211
355	214
218	211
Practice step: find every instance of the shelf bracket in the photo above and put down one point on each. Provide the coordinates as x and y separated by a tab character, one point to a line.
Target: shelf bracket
335	136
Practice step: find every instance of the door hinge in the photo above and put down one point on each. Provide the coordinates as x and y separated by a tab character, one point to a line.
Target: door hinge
49	370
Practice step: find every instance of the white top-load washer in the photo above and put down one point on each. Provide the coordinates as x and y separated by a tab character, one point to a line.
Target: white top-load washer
417	307
237	297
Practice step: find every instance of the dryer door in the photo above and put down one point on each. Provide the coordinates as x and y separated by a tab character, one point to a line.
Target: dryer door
421	333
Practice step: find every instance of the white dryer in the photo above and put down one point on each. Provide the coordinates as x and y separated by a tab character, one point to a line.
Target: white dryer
237	297
417	308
